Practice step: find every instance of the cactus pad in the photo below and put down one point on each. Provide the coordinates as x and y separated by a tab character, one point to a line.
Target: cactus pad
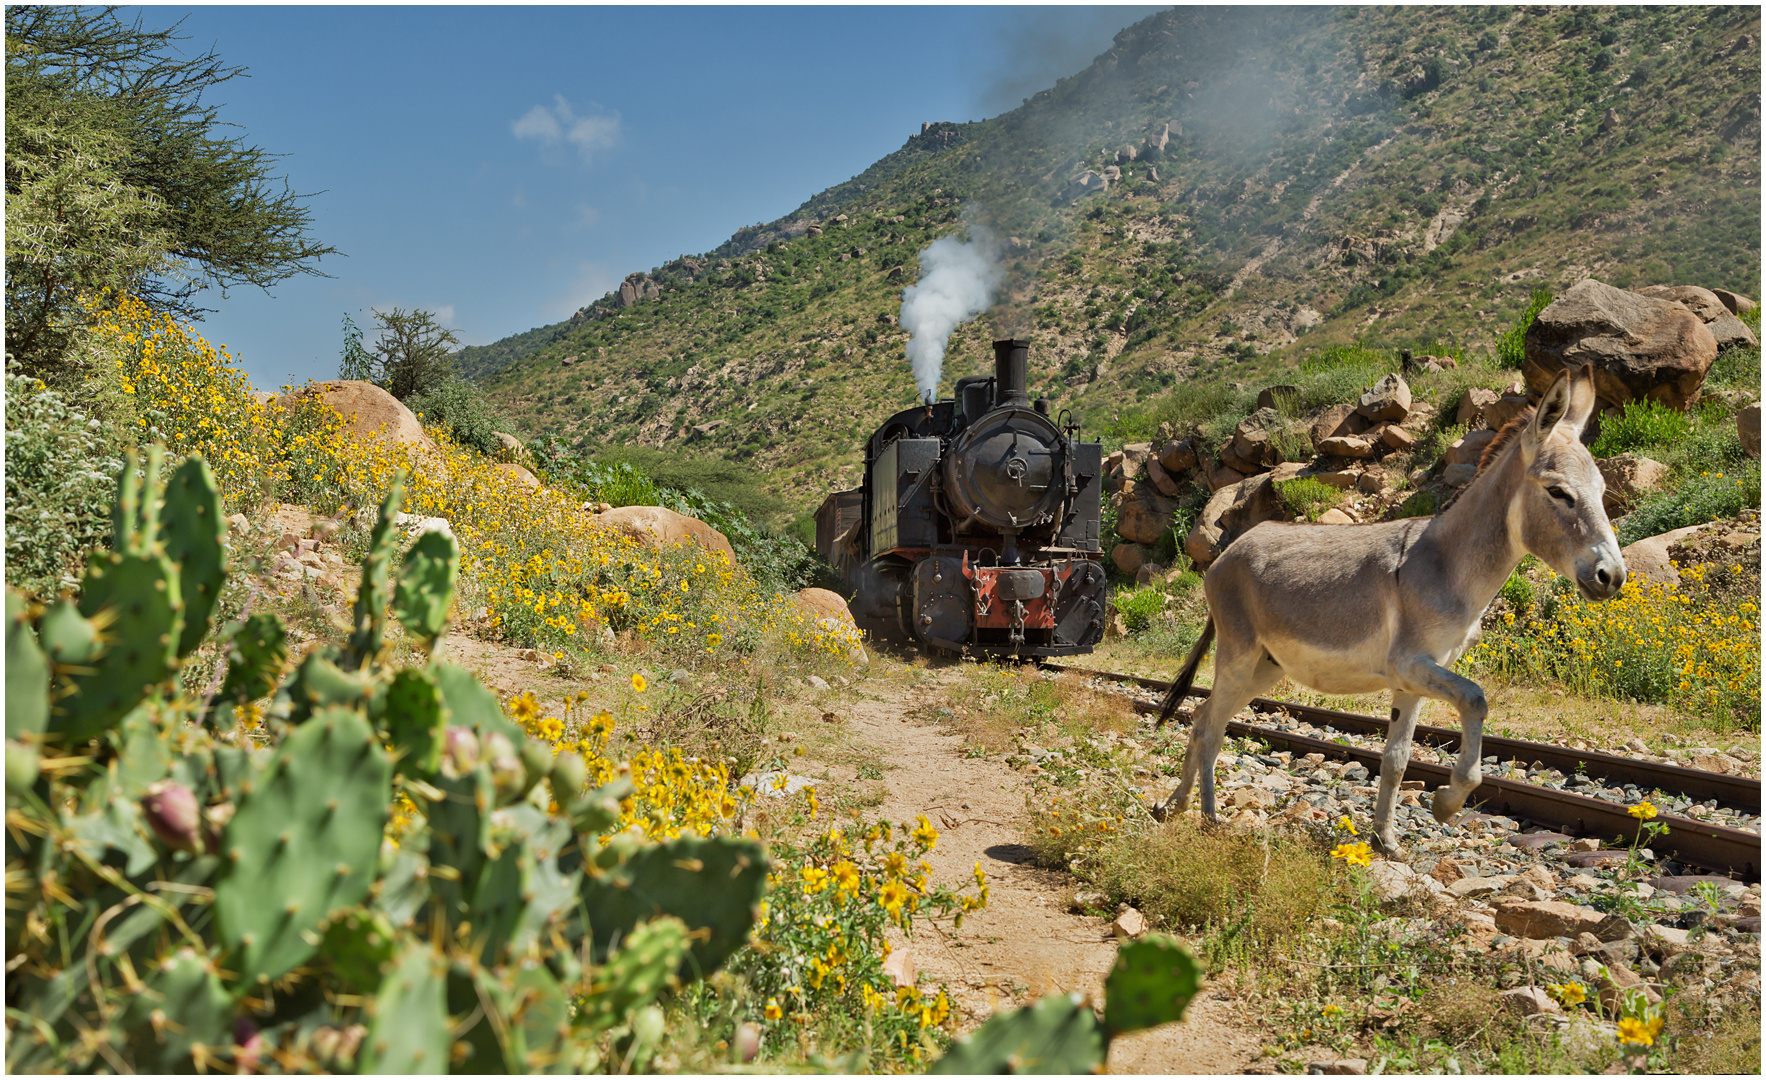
138	597
357	946
70	639
190	529
413	718
256	654
305	842
469	703
409	1032
644	967
426	585
368	620
711	885
193	1007
27	675
1058	1034
318	683
459	834
1151	984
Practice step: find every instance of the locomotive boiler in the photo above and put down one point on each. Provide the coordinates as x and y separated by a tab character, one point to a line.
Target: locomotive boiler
976	528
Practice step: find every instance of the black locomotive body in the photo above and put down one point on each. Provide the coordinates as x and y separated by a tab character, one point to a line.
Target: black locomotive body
977	526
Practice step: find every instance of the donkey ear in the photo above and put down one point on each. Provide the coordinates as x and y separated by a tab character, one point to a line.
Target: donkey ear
1568	400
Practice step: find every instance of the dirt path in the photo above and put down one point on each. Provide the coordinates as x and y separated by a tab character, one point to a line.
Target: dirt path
1025	943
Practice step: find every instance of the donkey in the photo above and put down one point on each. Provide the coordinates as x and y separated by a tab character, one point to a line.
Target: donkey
1349	609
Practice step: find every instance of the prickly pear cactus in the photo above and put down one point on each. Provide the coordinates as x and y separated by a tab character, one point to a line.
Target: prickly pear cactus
27	674
642	969
426	586
410	1029
412	714
1152	983
182	1007
190	529
1057	1034
318	683
70	639
138	597
368	620
257	652
712	885
304	844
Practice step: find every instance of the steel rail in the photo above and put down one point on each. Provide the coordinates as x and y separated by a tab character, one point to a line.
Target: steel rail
1735	792
1713	847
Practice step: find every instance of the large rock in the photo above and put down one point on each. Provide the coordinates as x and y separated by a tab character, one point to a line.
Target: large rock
1144	516
1701	302
1388	399
1735	302
1649	557
656	526
1252	447
1129	558
509	448
1504	409
1469	448
1336	422
1234	511
1472	405
1222	476
1283	397
1747	428
1349	446
1546	918
1161	479
1628	477
1732	333
823	604
1177	457
1641	347
369	413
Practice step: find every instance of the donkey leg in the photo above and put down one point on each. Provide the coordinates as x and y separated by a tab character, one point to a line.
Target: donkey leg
1237	679
1421	675
1405	708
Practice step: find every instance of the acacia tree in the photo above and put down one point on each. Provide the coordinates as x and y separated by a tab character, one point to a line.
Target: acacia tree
413	354
117	177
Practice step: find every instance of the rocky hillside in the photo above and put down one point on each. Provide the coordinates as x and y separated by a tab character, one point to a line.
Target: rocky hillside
1222	194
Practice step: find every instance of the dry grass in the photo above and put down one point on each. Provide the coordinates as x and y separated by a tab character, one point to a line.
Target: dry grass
995	705
1709	1042
1262	887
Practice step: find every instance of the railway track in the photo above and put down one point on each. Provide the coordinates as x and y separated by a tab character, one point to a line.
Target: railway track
1697	843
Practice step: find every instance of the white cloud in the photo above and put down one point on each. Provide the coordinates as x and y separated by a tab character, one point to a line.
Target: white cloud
559	122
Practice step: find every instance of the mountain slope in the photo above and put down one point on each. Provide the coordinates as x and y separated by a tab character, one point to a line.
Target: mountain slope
1397	176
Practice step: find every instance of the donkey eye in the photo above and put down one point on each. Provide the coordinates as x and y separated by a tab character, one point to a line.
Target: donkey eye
1560	494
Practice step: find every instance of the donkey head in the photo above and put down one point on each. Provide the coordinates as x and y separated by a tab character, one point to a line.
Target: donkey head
1562	520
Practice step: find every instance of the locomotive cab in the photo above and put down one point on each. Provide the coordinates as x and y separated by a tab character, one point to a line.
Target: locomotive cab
977	525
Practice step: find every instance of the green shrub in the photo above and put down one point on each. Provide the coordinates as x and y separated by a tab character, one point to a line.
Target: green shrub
1138	607
1644	425
1307	498
1737	369
1698	497
1511	349
60	478
461	408
1421	504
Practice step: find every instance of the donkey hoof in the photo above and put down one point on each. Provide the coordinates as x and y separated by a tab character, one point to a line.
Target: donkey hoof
1159	812
1387	844
1445	806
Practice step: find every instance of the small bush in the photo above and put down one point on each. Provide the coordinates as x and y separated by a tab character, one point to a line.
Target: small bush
1307	498
1138	607
1645	425
461	410
1421	504
60	479
1707	495
1511	350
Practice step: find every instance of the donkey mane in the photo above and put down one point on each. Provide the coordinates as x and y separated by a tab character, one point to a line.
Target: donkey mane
1494	448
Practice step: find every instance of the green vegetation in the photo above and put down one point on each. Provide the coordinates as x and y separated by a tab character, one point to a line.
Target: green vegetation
60	477
1307	498
1511	348
1644	425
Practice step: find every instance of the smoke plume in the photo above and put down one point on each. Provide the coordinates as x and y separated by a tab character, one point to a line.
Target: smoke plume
957	283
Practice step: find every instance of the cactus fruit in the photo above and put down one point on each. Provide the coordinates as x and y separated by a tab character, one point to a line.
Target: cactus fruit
138	595
410	1029
1154	979
191	529
304	843
568	776
1058	1034
412	716
643	968
459	752
257	652
713	885
27	676
368	620
170	810
70	639
426	585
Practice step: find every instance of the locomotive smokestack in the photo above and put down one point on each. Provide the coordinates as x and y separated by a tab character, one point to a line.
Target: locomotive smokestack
1011	363
957	282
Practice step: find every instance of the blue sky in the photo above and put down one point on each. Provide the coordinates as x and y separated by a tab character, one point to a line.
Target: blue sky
502	166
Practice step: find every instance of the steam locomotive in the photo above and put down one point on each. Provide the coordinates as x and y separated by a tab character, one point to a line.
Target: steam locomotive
976	529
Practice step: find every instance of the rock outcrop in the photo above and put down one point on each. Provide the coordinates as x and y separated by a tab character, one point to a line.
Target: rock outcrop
369	413
1233	511
656	526
1641	347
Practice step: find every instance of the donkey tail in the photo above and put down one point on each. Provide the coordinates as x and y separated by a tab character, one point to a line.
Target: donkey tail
1180	686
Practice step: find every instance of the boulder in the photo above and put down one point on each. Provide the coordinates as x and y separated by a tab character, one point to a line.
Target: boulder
1252	447
1335	422
1504	409
1628	477
1223	476
1161	479
1282	398
1127	154
1649	556
1397	438
1747	428
509	448
1459	475
1388	399
1350	446
1341	479
1472	405
369	413
1618	982
1735	302
1732	333
1392	881
1469	448
822	604
1528	1001
1177	457
1701	302
1335	516
526	479
1234	511
1640	346
1129	558
656	526
1144	516
1129	924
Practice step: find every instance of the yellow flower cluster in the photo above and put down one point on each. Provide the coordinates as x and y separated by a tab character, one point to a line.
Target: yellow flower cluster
1686	645
1354	854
